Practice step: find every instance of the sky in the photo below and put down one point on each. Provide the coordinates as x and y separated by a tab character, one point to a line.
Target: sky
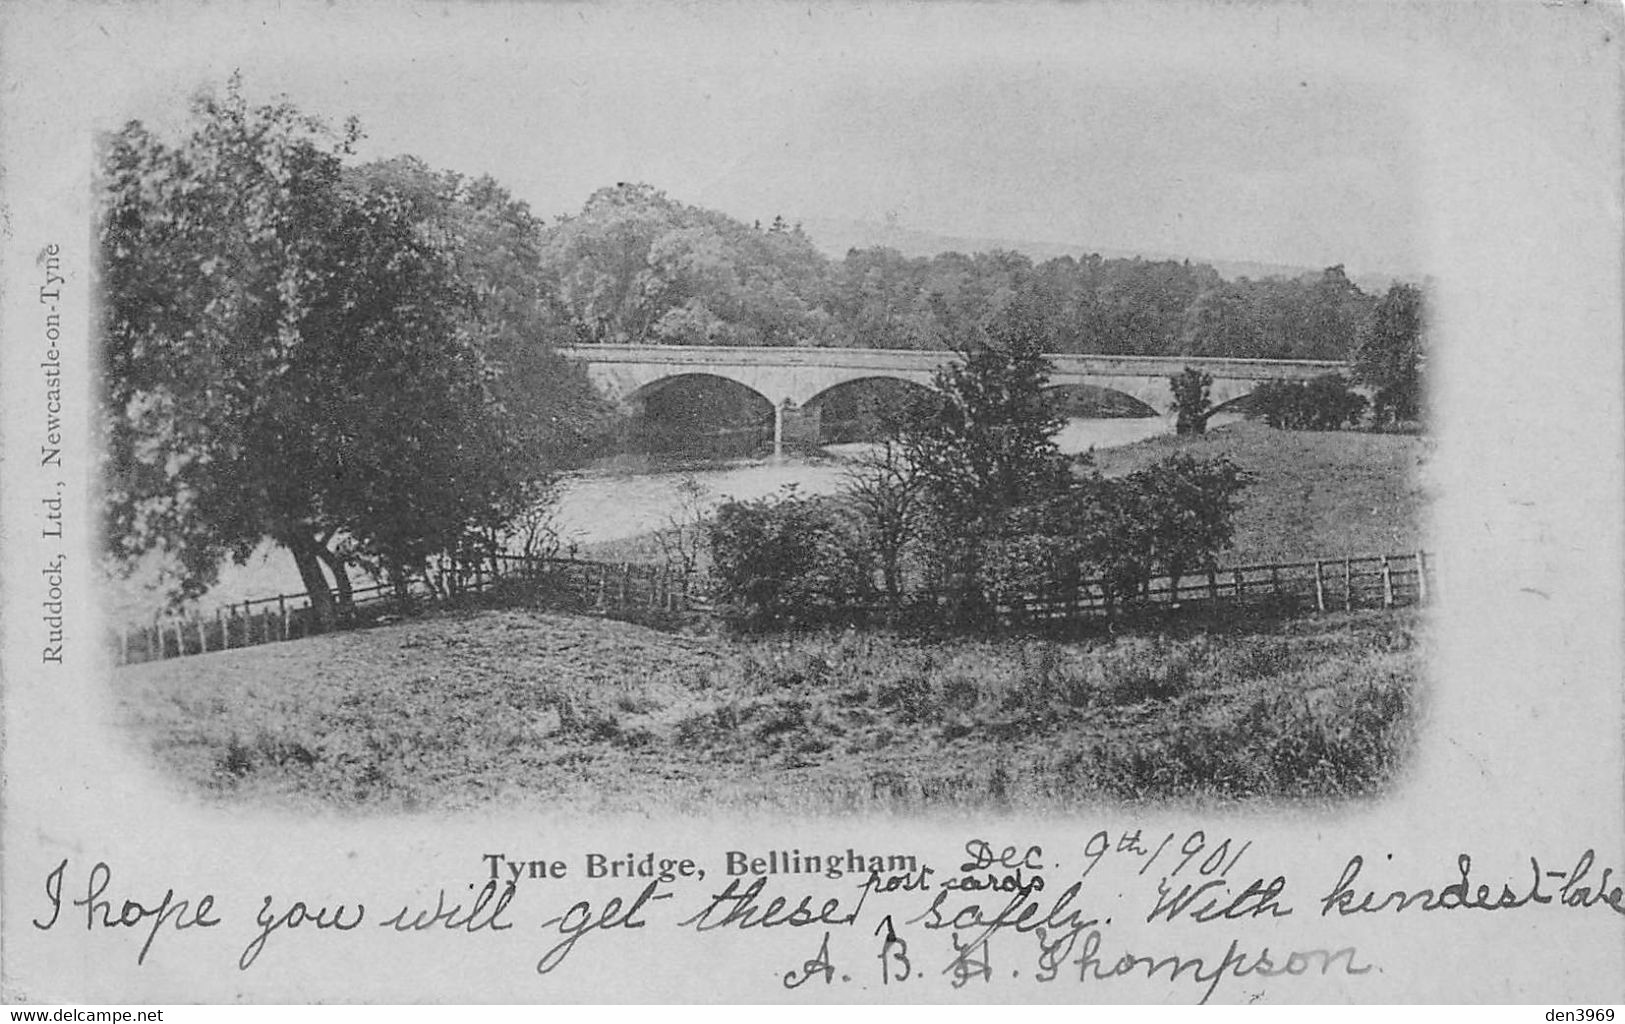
1272	133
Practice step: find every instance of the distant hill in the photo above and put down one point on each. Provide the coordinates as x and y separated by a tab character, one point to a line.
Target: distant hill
834	236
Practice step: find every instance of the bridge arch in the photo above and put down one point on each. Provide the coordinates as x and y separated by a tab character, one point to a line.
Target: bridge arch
1077	398
850	410
903	383
673	412
641	394
1238	404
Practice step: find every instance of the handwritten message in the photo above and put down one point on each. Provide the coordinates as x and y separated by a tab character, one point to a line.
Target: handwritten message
995	911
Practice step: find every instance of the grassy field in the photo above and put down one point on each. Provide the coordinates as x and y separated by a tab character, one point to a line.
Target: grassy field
1313	495
571	712
528	708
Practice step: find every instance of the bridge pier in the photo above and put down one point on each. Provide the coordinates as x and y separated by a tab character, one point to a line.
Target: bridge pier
797	424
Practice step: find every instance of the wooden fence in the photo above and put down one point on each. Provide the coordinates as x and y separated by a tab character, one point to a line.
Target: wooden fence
1289	587
1342	584
567	582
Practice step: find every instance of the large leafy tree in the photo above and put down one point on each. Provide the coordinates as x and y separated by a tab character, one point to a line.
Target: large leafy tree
542	404
637	267
289	355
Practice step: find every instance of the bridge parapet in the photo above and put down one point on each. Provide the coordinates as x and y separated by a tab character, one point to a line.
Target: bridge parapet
793	376
880	360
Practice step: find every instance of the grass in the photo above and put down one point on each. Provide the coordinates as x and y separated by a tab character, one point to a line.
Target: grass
524	708
521	708
1314	494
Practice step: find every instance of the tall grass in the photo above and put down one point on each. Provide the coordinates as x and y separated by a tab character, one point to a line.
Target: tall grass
567	711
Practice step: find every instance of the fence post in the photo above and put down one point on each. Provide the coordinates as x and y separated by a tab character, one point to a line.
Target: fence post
626	581
1387	584
282	617
1320	588
1421	578
202	640
1348	586
1236	581
1213	589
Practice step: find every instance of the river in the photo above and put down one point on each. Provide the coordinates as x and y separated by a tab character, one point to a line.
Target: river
606	504
611	503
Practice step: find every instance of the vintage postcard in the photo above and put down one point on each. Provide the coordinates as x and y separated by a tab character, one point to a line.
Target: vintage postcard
832	503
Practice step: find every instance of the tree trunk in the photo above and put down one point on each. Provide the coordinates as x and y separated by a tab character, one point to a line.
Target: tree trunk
304	550
341	578
892	574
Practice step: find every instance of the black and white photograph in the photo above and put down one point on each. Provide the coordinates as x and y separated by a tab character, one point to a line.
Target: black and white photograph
829	503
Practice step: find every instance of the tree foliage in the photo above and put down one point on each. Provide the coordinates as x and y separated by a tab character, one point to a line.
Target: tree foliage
785	560
638	267
1391	353
887	494
982	442
1174	517
635	266
1178	515
1325	403
983	438
1191	404
299	352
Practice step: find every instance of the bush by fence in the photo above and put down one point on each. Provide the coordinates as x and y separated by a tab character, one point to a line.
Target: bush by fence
787	560
1326	403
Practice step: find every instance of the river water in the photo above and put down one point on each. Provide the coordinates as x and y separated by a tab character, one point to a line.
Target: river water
605	504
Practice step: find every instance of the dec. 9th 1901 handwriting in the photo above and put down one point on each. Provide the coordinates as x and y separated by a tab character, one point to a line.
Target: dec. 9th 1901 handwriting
997	912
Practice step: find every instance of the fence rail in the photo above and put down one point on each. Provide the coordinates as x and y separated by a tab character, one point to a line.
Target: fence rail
1341	584
570	582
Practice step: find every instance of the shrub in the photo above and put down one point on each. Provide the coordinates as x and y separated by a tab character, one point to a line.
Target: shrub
1176	515
1025	566
1325	403
787	560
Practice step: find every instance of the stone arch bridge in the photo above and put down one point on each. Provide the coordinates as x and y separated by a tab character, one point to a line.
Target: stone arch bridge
794	379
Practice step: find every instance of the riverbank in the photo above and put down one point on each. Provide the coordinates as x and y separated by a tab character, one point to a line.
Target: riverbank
1313	494
529	708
